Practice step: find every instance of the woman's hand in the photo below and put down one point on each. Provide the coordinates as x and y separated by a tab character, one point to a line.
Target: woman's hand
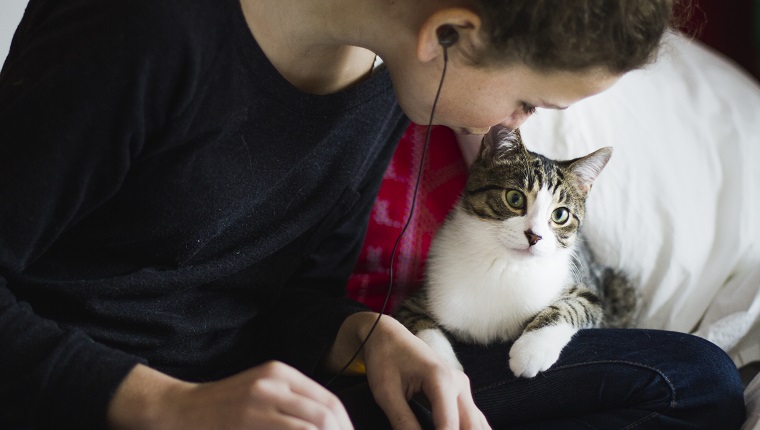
399	365
271	396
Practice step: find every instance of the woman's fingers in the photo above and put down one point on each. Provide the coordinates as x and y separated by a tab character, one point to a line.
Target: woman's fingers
292	393
443	393
313	412
470	417
393	402
325	411
400	365
271	396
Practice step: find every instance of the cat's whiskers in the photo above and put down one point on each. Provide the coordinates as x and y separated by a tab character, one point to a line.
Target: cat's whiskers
575	265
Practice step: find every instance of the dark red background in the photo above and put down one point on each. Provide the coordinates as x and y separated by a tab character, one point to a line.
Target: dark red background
728	26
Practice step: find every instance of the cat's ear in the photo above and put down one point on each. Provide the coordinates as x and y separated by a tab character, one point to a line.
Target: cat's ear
586	169
500	142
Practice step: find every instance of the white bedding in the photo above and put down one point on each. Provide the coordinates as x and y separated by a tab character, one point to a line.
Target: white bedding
678	206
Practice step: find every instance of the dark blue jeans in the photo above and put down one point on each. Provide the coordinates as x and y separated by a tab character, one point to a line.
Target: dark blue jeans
604	379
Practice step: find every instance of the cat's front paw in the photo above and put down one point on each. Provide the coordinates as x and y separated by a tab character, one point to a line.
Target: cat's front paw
537	350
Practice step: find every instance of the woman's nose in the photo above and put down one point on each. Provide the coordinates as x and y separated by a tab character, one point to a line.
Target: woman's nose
513	122
517	118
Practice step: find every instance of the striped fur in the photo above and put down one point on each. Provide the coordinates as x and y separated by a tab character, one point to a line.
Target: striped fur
507	264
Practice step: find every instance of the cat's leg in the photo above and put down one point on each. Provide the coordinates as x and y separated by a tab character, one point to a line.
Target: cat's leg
536	351
540	344
439	342
413	315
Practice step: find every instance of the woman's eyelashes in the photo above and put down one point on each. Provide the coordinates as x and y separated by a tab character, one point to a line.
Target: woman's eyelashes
527	108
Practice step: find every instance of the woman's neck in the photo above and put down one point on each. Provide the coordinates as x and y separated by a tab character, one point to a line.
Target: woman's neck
320	46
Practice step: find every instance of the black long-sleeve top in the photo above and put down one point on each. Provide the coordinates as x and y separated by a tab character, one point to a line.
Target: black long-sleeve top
167	197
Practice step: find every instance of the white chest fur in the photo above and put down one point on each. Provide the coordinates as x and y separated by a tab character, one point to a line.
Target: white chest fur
483	291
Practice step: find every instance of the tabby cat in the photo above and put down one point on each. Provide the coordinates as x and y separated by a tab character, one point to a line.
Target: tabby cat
508	263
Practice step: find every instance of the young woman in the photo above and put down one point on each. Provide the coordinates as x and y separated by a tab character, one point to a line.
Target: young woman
186	186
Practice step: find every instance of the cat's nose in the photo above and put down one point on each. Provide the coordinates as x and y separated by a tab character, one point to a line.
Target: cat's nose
533	238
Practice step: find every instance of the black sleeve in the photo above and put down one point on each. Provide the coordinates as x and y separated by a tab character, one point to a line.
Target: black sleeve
314	305
83	88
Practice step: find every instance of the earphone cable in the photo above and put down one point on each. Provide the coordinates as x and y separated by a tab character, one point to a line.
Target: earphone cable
406	224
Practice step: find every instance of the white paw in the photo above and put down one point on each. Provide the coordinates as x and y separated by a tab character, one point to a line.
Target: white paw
538	350
441	345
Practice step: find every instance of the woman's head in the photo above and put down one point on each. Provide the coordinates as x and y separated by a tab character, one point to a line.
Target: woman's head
512	55
573	35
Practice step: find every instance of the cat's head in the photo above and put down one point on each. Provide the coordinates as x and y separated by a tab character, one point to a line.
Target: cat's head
535	205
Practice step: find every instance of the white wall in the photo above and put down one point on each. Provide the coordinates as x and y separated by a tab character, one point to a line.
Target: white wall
10	15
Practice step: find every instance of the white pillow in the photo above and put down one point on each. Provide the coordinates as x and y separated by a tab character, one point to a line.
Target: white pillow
752	400
678	206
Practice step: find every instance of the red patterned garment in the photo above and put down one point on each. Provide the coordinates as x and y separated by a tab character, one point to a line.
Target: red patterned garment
443	179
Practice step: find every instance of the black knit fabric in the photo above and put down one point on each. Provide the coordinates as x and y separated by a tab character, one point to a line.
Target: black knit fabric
167	197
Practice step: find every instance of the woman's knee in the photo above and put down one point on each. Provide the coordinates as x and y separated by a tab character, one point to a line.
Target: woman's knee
707	384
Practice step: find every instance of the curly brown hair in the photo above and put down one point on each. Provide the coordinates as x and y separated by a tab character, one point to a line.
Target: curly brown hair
620	35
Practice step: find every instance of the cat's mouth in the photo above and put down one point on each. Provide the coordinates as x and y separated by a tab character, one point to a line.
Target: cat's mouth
522	251
529	251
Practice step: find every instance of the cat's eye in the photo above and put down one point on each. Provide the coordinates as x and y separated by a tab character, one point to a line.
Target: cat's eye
560	215
515	199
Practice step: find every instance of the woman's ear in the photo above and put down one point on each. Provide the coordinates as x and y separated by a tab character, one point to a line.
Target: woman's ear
466	23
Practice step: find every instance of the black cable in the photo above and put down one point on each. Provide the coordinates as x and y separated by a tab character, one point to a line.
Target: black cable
406	225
